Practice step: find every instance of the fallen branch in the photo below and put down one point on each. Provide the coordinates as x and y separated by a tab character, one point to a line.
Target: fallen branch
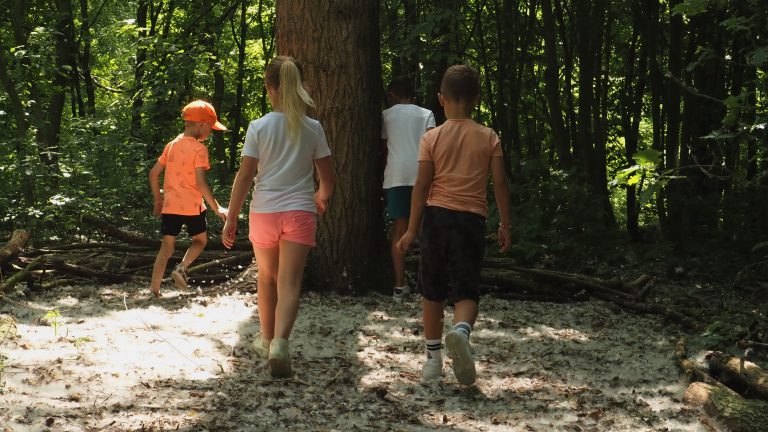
21	275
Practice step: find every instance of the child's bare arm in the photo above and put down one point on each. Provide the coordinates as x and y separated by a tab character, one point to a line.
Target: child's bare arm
327	178
202	185
240	188
501	193
424	177
154	185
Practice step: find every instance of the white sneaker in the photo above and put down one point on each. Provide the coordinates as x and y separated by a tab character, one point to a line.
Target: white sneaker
457	344
279	358
401	292
432	371
260	346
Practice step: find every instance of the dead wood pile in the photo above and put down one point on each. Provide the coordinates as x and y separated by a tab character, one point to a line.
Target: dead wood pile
129	257
730	389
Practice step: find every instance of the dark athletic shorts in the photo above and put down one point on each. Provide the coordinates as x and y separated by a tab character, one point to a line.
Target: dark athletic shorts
452	247
171	224
398	202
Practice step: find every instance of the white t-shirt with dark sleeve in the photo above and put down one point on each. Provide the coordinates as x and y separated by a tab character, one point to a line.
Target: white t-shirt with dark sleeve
402	125
284	181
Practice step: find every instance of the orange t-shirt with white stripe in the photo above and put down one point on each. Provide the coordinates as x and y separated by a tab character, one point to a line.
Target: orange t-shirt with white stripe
461	151
181	157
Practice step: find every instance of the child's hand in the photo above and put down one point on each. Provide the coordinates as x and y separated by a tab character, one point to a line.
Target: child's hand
322	203
229	232
157	211
222	212
505	239
405	241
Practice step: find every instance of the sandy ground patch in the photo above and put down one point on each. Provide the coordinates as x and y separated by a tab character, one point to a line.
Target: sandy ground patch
116	360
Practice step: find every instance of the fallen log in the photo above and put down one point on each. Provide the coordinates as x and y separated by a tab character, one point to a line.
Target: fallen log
14	246
653	308
20	275
739	373
111	230
737	414
694	371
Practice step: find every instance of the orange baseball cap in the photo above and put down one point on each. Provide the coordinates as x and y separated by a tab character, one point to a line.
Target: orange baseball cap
202	111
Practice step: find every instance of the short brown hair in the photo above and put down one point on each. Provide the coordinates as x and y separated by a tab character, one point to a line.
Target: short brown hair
460	83
402	86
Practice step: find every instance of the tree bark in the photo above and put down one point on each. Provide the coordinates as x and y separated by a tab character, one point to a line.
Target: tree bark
338	43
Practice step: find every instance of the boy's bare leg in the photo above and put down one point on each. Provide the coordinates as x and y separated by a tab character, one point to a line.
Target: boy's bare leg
466	311
433	319
195	249
167	247
399	227
293	256
267	260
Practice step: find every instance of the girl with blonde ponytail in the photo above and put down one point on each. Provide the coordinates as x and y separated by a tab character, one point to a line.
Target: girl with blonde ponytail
281	153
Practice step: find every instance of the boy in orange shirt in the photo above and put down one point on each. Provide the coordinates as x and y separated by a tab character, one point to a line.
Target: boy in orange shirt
185	160
450	194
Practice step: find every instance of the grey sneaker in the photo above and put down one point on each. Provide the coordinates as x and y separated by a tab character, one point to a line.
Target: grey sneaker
260	346
432	371
179	275
457	344
279	358
401	292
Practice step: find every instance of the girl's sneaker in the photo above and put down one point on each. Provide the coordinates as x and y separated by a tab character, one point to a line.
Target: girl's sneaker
179	275
457	344
401	292
432	371
279	358
260	346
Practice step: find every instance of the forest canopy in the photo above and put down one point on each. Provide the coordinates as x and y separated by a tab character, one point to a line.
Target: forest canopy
640	117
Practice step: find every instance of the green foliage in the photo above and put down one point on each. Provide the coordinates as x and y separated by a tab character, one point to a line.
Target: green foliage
52	318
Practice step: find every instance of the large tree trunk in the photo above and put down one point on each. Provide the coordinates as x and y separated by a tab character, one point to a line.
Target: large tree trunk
338	44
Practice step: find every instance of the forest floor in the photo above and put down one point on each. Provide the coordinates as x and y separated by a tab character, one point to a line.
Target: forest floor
118	360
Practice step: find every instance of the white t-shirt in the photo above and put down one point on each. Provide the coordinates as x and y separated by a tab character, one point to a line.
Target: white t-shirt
402	126
284	181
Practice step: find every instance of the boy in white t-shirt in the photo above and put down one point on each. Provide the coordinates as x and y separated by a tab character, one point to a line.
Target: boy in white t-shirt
402	126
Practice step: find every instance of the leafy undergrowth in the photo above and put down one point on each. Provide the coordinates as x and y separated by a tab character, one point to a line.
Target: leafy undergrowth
116	360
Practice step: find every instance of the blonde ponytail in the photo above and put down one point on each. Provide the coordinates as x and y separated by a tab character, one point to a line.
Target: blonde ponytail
284	75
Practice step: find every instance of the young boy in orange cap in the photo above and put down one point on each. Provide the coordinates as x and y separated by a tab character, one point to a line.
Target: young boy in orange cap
185	161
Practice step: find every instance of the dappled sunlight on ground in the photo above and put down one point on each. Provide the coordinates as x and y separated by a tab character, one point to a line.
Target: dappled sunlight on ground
118	360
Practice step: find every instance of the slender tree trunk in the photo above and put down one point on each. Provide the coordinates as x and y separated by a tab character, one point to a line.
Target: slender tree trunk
20	130
673	193
552	87
85	58
632	104
338	42
236	133
568	66
137	105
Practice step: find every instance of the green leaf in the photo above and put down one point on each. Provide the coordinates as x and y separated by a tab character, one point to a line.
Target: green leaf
759	56
647	156
648	193
691	8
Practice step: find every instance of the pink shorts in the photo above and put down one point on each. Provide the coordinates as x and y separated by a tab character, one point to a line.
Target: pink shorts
265	230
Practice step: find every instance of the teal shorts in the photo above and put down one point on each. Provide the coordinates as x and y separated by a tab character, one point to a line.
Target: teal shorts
398	202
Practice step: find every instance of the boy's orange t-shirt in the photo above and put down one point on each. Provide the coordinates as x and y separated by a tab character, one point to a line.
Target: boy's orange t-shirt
461	151
181	157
